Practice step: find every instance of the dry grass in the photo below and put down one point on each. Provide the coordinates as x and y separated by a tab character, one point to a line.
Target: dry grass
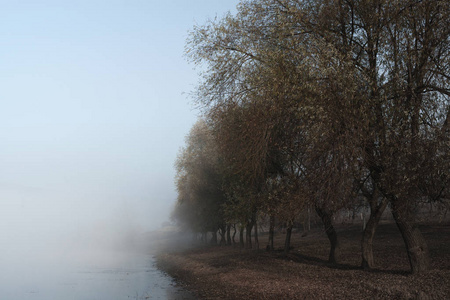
231	273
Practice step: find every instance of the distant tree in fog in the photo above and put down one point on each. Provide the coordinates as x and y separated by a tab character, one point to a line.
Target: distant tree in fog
199	183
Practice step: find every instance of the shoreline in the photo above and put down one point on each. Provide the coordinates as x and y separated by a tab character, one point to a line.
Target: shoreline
215	272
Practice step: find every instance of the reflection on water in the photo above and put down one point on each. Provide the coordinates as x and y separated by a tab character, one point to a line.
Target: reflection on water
74	275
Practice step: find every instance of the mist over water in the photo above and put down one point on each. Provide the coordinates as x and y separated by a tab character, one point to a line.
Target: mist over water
93	114
67	249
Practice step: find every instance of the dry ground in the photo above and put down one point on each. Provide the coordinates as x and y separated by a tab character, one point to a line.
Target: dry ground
230	273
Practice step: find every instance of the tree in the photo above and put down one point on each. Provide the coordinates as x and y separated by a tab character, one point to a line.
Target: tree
402	51
377	203
335	96
262	100
199	183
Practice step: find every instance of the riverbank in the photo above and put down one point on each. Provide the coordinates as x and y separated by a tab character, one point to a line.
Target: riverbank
231	273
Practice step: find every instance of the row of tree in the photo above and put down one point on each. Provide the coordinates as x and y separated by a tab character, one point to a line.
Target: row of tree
319	103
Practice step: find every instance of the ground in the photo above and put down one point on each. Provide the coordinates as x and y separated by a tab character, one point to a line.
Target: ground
231	273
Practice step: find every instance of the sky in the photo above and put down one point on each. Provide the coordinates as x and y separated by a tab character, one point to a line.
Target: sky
94	109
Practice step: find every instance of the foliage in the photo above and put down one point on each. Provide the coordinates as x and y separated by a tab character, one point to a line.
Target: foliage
309	101
200	194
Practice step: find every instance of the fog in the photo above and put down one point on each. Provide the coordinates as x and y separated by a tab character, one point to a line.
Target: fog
94	111
56	246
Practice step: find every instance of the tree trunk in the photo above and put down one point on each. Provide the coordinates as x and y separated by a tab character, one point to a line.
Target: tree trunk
241	236
369	232
214	238
248	236
228	234
309	219
222	232
271	232
256	236
204	237
326	217
234	234
287	241
363	216
416	246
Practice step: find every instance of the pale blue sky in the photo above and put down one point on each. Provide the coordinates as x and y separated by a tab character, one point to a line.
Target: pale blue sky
92	109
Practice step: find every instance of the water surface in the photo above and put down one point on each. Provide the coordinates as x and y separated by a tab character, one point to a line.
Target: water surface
93	275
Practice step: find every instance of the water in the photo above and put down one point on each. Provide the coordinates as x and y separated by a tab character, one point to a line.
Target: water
50	253
85	276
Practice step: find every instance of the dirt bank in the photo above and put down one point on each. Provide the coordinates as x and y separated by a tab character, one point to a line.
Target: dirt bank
230	273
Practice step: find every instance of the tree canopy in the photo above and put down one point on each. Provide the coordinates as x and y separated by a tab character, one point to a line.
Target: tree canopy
309	102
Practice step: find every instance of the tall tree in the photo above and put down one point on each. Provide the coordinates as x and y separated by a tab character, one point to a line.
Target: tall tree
199	183
399	52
